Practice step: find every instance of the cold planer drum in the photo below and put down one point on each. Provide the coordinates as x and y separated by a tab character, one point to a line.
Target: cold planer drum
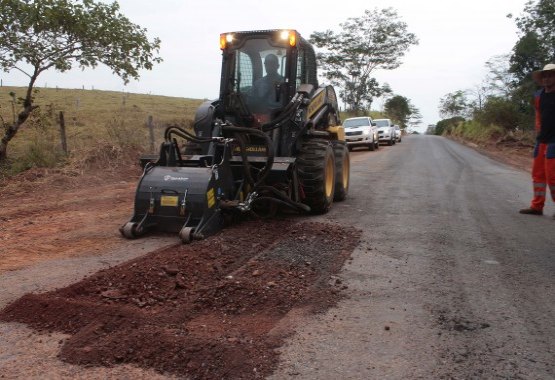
181	199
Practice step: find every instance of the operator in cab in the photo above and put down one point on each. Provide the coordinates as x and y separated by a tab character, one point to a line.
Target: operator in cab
264	90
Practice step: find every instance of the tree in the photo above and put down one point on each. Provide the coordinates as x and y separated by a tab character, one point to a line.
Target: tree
402	112
399	109
539	18
377	40
499	111
478	96
528	55
499	80
415	117
446	125
509	90
36	36
536	45
454	104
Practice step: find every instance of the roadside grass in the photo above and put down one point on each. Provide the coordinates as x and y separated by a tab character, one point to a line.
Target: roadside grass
476	132
101	126
481	134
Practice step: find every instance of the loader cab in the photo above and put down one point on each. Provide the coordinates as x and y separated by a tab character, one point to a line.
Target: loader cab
261	72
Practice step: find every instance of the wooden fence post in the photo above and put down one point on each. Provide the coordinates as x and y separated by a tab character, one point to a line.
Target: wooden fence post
63	132
150	126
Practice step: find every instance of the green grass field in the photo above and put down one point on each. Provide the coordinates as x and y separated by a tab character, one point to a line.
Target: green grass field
96	121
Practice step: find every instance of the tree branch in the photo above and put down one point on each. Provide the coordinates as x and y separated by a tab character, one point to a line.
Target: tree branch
17	68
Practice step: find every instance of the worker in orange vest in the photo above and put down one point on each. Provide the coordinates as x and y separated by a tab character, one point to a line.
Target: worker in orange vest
543	168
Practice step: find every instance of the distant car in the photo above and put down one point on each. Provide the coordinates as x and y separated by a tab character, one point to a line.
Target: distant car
386	131
398	133
361	131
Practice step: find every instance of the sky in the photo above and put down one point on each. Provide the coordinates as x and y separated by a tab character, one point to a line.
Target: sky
456	38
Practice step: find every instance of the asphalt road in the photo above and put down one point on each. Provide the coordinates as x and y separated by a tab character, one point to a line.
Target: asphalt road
449	282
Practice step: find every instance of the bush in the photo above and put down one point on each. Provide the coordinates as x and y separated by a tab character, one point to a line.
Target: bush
42	148
125	135
499	112
475	131
40	153
446	125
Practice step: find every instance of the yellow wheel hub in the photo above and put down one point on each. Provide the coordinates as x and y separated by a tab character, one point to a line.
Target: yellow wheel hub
329	177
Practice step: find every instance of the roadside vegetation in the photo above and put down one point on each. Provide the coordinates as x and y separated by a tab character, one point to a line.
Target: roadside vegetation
500	109
101	127
36	36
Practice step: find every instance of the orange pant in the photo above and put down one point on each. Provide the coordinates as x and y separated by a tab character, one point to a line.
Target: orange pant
543	174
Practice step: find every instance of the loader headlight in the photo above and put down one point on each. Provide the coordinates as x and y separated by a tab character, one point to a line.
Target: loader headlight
290	35
225	39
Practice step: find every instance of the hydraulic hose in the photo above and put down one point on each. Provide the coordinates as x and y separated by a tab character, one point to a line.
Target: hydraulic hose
185	135
269	148
246	164
287	113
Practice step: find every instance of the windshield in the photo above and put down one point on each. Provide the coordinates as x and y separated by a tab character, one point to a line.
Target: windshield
382	123
353	123
259	72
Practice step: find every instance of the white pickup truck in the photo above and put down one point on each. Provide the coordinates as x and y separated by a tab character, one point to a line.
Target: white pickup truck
361	131
386	131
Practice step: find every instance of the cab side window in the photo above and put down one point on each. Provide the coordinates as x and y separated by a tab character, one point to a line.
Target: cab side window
244	72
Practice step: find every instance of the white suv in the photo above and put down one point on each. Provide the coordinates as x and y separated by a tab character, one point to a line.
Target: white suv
398	133
361	131
386	131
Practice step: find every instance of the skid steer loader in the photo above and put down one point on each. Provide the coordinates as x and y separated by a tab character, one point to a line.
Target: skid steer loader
271	141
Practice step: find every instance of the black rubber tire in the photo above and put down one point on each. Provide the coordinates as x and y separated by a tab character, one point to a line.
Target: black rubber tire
342	170
372	146
129	230
316	171
186	235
